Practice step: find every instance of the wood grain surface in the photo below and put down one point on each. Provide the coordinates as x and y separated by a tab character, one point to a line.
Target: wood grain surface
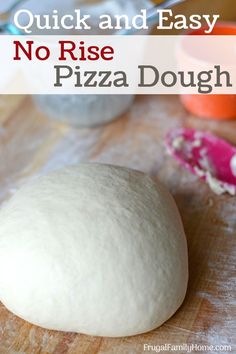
31	144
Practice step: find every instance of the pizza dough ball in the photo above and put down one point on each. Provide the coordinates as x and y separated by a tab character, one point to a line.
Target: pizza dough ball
95	249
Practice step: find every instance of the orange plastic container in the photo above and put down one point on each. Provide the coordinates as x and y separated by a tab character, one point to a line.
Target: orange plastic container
210	106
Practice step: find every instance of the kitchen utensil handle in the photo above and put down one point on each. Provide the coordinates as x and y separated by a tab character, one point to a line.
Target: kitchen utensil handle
4	16
14	6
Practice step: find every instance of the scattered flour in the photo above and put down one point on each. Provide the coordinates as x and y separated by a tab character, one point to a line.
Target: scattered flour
197	143
216	186
178	142
233	165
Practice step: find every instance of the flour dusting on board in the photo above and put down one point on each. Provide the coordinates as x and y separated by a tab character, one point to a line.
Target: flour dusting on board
222	306
136	140
32	337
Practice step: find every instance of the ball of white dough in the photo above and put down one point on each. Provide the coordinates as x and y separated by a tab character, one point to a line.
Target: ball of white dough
95	249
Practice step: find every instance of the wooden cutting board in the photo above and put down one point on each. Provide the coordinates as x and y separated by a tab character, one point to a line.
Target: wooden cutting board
31	144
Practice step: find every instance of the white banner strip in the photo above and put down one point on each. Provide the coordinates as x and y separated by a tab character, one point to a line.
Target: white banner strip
118	65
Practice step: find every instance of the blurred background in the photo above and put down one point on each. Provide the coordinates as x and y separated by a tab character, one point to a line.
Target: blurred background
31	144
226	8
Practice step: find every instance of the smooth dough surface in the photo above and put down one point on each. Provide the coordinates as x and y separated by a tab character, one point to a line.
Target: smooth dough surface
95	249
